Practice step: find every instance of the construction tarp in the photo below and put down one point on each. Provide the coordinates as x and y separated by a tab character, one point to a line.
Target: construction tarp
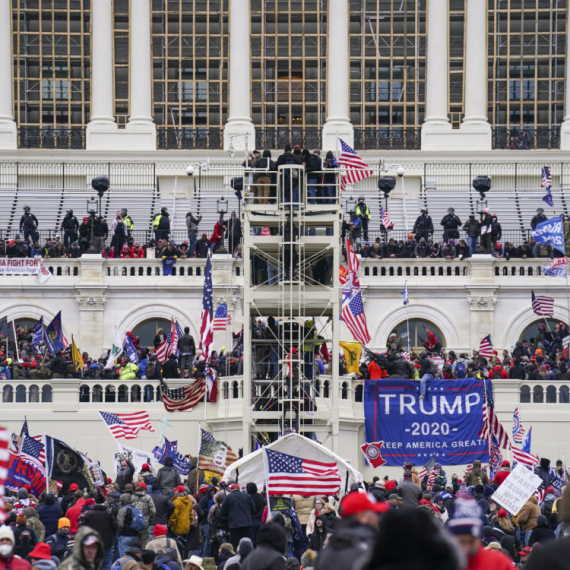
251	468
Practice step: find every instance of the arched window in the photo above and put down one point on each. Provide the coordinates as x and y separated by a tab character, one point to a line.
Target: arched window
235	390
538	395
20	393
46	393
110	393
7	394
148	393
326	389
317	388
123	393
135	393
551	395
226	390
344	391
564	395
147	330
525	394
33	393
358	393
84	393
418	334
533	330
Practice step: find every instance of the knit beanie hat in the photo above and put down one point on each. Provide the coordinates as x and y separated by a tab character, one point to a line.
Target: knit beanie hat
7	532
63	522
21	519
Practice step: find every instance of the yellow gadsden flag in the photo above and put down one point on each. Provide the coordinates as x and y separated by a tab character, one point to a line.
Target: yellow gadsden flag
76	356
352	352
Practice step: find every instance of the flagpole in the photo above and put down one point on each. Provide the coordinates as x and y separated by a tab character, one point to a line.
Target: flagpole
567	299
407	314
198	461
15	341
266	481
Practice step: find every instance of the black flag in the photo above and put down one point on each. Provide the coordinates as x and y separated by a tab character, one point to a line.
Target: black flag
6	330
66	465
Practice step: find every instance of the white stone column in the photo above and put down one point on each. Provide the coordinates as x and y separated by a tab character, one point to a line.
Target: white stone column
239	118
8	128
565	127
102	120
141	120
475	123
337	123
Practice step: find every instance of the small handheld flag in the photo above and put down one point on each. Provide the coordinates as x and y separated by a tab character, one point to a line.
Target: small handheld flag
405	295
518	430
542	306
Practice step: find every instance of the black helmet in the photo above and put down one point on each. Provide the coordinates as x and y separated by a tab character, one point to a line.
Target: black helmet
450	211
164	210
70	212
361	199
540	211
123	211
26	208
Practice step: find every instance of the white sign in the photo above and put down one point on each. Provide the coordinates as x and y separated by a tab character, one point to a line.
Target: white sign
516	489
138	457
25	267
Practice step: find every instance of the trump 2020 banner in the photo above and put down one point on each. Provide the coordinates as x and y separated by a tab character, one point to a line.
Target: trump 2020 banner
445	424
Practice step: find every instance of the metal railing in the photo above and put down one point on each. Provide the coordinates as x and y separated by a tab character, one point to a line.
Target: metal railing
389	138
51	137
277	137
526	138
168	138
516	237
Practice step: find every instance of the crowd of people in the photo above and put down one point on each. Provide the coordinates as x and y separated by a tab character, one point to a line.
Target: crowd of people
151	520
117	240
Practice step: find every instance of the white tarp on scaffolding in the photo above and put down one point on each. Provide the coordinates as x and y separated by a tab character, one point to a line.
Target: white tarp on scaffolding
252	467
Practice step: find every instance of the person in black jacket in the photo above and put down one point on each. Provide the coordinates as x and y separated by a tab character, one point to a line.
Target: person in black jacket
49	513
28	224
125	473
239	509
101	519
233	233
541	533
423	226
170	368
167	477
259	504
58	366
318	537
164	507
451	224
187	351
100	233
69	227
272	542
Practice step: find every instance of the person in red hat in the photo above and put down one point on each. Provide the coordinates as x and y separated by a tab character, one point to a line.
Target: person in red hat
40	557
503	473
355	533
162	542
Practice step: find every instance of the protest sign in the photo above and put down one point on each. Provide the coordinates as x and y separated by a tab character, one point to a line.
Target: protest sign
138	457
516	489
25	267
20	473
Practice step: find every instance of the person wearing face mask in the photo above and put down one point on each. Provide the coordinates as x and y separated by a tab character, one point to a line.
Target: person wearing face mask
8	559
58	542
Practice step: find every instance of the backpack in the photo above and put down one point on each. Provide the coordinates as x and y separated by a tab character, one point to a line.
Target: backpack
460	369
290	160
118	565
138	521
171	552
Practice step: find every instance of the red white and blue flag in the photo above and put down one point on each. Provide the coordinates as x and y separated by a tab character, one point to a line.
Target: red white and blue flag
547	185
207	327
221	317
168	346
174	346
527	459
518	430
288	474
495	458
491	424
4	458
386	222
542	306
486	347
356	168
127	425
352	307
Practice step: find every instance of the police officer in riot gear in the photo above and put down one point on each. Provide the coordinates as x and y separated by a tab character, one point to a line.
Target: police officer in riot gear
423	227
69	227
363	212
29	225
451	223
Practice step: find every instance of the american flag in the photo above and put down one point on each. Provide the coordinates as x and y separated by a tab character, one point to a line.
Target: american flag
540	494
491	424
406	355
185	398
356	168
221	318
127	425
162	351
288	474
206	329
486	347
518	430
169	345
523	457
542	306
19	440
386	222
426	469
352	307
4	457
214	455
32	451
547	185
495	458
174	346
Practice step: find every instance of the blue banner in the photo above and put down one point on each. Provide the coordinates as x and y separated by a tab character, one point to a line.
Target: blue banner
446	424
22	473
170	449
130	350
54	335
550	232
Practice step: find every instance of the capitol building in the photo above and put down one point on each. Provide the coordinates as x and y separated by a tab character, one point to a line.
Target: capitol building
146	92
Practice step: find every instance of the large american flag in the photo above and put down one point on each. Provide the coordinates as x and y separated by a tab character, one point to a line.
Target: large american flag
169	345
523	457
491	424
19	440
32	452
221	318
518	430
207	327
4	458
352	307
356	168
486	347
288	474
495	458
542	306
214	455
185	398
386	222
127	425
426	469
174	346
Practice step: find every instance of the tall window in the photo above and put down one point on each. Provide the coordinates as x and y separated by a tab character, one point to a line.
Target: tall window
418	333
121	59
147	330
51	49
456	61
526	46
190	62
288	59
387	63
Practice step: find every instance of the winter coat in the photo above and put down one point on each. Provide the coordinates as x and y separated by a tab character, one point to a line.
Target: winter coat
555	557
528	514
104	522
167	478
16	563
410	493
542	534
473	228
258	502
35	524
77	561
50	513
239	509
145	505
58	544
183	515
164	508
162	543
317	538
271	544
303	507
502	475
125	517
43	564
125	475
73	515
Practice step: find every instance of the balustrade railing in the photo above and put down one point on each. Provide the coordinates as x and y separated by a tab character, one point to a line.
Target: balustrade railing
526	138
51	137
387	138
168	138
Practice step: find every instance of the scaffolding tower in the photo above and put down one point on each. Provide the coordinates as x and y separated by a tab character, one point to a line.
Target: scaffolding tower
291	303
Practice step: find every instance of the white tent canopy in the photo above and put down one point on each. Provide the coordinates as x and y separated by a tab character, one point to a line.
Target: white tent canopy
252	467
